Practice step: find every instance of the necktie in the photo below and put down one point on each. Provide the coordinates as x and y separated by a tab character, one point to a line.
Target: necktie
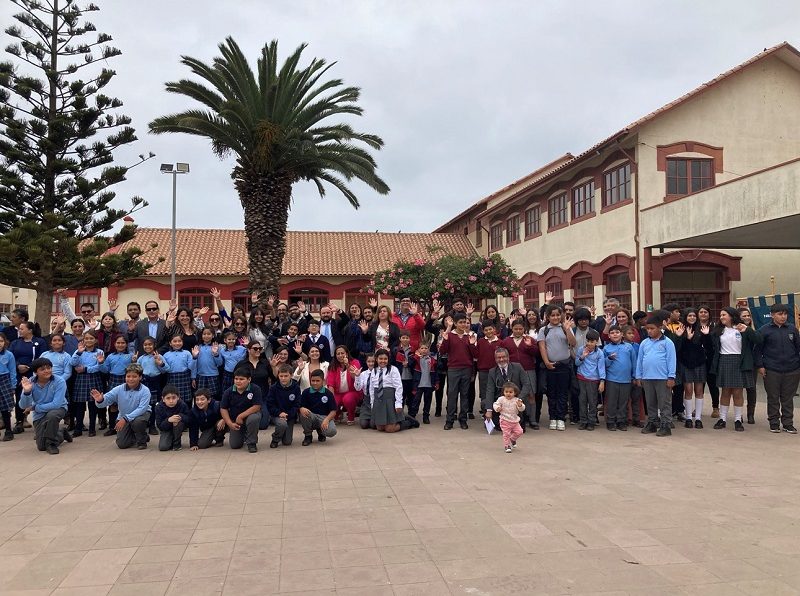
505	374
379	389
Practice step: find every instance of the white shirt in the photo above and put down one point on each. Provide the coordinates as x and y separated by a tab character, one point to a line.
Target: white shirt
391	378
730	341
302	376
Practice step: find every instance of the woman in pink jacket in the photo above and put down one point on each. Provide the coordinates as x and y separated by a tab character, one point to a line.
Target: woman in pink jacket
341	382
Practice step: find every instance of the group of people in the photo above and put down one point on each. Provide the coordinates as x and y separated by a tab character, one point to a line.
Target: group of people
212	374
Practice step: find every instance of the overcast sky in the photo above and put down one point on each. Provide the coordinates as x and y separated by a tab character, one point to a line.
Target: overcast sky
468	96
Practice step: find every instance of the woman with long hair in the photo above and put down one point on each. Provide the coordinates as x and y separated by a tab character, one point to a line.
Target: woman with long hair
383	332
259	326
182	324
705	319
752	396
308	364
692	366
733	363
239	328
341	382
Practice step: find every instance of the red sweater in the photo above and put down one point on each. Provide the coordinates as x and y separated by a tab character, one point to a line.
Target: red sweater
523	354
415	325
460	353
486	361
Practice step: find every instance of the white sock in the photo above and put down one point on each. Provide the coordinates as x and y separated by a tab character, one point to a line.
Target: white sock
737	413
698	408
723	412
687	408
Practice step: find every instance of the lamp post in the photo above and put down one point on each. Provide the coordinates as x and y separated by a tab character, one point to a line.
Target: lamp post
174	170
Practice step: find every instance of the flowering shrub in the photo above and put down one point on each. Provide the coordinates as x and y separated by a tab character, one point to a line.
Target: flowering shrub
449	276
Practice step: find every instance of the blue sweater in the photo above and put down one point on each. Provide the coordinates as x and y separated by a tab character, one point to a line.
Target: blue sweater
44	399
180	361
62	363
8	366
656	360
232	357
149	366
593	367
207	364
620	369
132	403
87	359
284	399
116	363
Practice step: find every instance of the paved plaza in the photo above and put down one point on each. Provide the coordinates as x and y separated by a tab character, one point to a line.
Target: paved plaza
421	512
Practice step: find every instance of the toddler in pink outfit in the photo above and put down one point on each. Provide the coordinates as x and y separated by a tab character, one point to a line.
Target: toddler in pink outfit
509	405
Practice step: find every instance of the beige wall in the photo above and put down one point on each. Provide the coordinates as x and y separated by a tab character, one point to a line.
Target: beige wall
21	296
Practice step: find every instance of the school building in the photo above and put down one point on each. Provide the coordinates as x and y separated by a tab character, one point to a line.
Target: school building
696	202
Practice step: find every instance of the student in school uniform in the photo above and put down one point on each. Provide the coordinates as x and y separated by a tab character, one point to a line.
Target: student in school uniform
556	340
207	362
153	369
61	360
317	410
133	401
655	373
8	381
232	354
424	381
113	365
386	394
315	339
620	360
590	367
488	342
206	426
172	417
87	379
182	371
403	359
460	346
692	366
631	336
777	360
283	403
241	410
45	395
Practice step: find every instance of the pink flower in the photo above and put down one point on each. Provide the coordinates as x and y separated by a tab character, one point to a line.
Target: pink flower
400	270
472	278
371	292
383	278
391	274
410	281
419	262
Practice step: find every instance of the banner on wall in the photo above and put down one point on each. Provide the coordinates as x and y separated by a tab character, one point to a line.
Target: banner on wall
759	307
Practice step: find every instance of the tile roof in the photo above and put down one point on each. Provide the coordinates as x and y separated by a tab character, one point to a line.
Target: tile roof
783	49
222	252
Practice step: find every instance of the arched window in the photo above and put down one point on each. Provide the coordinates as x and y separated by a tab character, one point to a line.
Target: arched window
553	286
314	298
195	298
693	284
242	298
531	296
583	290
618	285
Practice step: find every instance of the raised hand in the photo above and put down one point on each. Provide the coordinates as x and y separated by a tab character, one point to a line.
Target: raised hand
215	348
548	297
473	338
689	333
101	358
470	309
705	329
528	340
158	359
298	346
254	297
592	310
362	324
216	293
96	395
112	304
81	347
741	327
609	319
301	306
134	357
131	325
173	304
27	385
523	312
171	318
414	309
680	329
270	299
333	307
61	291
203	311
436	307
373	302
195	351
448	323
274	362
301	364
567	321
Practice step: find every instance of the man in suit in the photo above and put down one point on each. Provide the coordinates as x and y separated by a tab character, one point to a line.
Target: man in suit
609	316
152	326
504	371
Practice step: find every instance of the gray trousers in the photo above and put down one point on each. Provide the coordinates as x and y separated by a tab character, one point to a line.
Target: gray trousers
781	388
248	433
46	429
458	380
134	433
210	435
169	439
314	422
617	397
284	429
587	402
658	398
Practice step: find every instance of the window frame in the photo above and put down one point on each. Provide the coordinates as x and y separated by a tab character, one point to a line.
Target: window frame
198	298
313	299
561	204
512	225
88	295
624	297
612	185
496	236
533	227
556	286
689	177
583	298
530	295
582	203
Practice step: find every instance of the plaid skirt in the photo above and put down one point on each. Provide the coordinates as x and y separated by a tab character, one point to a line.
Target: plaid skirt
692	375
227	381
730	374
183	382
154	385
84	383
115	380
6	393
211	383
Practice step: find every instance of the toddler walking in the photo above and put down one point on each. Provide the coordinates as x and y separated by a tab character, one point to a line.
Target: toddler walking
509	405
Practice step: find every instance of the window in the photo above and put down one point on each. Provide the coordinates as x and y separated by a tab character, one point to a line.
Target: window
314	298
618	285
689	175
88	296
557	211
532	221
5	308
512	229
478	234
691	285
553	286
195	298
531	296
242	298
583	200
583	290
496	237
55	304
617	185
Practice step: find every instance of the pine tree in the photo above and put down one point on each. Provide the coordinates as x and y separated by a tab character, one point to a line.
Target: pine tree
58	132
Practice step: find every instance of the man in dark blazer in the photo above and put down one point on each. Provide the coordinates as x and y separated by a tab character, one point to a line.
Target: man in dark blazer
152	326
505	371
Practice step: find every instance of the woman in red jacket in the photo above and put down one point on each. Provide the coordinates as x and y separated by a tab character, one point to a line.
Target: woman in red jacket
341	382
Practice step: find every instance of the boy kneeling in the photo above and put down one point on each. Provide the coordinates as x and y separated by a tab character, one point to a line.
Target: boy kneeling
133	400
241	410
317	410
172	416
283	401
206	425
46	396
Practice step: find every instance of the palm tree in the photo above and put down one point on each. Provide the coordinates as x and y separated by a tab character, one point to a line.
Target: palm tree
277	125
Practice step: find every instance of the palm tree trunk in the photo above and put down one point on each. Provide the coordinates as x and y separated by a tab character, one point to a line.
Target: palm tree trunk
266	201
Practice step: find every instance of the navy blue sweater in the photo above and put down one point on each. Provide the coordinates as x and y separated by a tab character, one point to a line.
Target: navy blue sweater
163	413
284	399
200	420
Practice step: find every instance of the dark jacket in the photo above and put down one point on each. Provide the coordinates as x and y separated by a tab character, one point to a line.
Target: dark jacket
780	350
143	331
163	413
692	352
750	339
284	399
494	384
394	334
200	420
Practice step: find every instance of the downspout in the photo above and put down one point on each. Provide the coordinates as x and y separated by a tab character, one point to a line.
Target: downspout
643	262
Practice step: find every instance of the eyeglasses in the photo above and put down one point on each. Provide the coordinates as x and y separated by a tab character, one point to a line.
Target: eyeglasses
86	312
257	348
214	319
239	324
152	309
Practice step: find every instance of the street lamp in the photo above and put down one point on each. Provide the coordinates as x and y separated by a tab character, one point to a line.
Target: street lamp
174	170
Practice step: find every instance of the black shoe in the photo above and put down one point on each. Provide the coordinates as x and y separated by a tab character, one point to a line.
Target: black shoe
664	431
471	416
788	428
141	446
582	426
590	427
321	438
219	443
720	424
66	435
252	448
698	424
273	445
774	427
448	426
751	419
92	433
637	424
649	428
9	435
177	448
77	433
611	426
153	431
738	426
535	425
103	425
688	424
671	425
52	450
19	428
463	424
307	440
426	419
622	426
438	413
109	433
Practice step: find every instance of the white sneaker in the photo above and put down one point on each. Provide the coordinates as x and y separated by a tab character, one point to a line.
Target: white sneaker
553	425
561	425
508	449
